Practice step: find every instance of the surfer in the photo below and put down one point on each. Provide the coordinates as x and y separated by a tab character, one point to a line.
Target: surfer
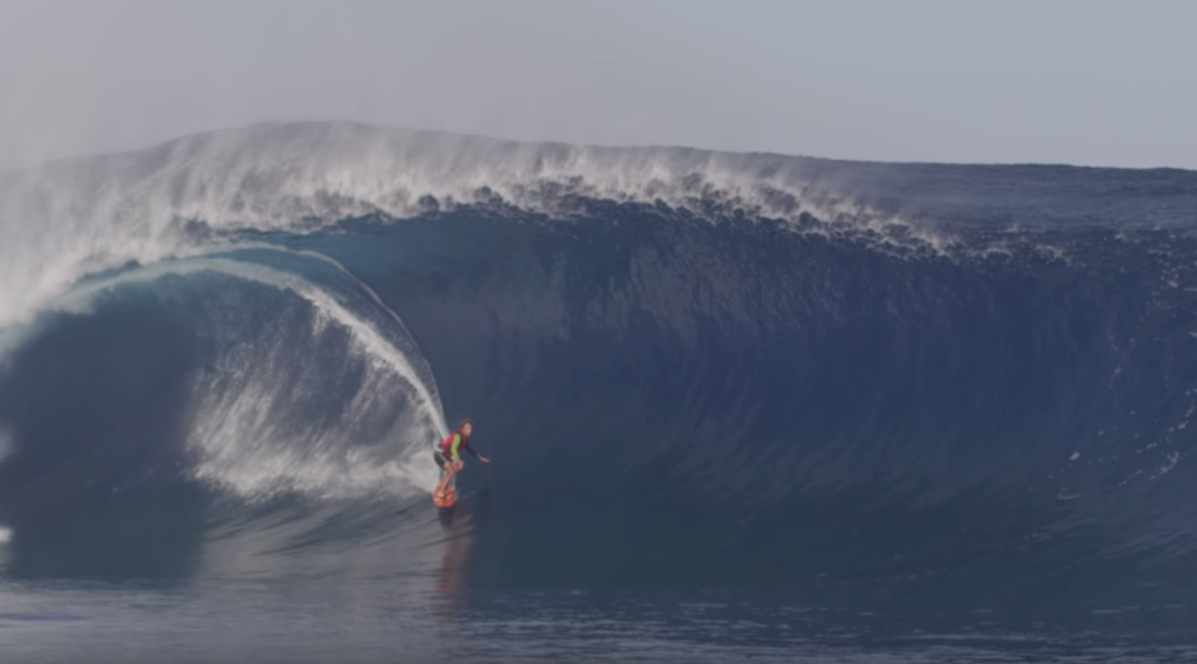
448	455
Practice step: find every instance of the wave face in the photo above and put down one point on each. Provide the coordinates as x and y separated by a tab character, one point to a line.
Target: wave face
691	369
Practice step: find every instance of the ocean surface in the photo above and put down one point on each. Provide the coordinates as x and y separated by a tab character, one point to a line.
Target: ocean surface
739	407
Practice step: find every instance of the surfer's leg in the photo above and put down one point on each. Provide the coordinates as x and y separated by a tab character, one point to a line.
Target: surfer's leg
450	470
446	467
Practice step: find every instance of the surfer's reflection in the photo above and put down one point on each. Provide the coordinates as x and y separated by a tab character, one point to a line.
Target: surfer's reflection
459	522
456	521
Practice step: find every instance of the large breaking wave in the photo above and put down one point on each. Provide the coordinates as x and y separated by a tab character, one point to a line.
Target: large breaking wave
692	369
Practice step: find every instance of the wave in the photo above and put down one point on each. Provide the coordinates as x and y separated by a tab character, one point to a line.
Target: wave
690	368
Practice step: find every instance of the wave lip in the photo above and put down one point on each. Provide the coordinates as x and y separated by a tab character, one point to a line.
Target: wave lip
71	217
275	175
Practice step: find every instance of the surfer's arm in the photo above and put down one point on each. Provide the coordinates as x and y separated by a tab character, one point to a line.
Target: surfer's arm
466	447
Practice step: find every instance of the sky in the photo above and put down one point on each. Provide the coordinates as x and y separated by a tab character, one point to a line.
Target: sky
1089	82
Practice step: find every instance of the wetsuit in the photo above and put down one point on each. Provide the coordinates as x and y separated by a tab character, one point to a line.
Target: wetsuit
450	448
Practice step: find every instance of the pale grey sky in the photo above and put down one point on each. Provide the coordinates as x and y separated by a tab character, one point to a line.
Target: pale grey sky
1064	81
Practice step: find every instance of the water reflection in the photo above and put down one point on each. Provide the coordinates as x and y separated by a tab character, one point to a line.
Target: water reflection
456	522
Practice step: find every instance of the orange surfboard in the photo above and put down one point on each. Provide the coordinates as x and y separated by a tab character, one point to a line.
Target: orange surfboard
446	500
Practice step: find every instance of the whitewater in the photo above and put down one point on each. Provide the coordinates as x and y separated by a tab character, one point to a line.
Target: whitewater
738	405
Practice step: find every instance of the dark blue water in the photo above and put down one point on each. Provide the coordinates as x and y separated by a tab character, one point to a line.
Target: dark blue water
716	435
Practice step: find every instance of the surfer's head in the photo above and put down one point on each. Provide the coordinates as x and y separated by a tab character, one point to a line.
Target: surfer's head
466	427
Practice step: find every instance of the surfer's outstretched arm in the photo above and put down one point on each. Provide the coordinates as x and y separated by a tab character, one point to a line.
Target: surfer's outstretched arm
466	446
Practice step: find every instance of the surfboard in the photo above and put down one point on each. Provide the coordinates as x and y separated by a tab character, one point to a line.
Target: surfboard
450	496
447	500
